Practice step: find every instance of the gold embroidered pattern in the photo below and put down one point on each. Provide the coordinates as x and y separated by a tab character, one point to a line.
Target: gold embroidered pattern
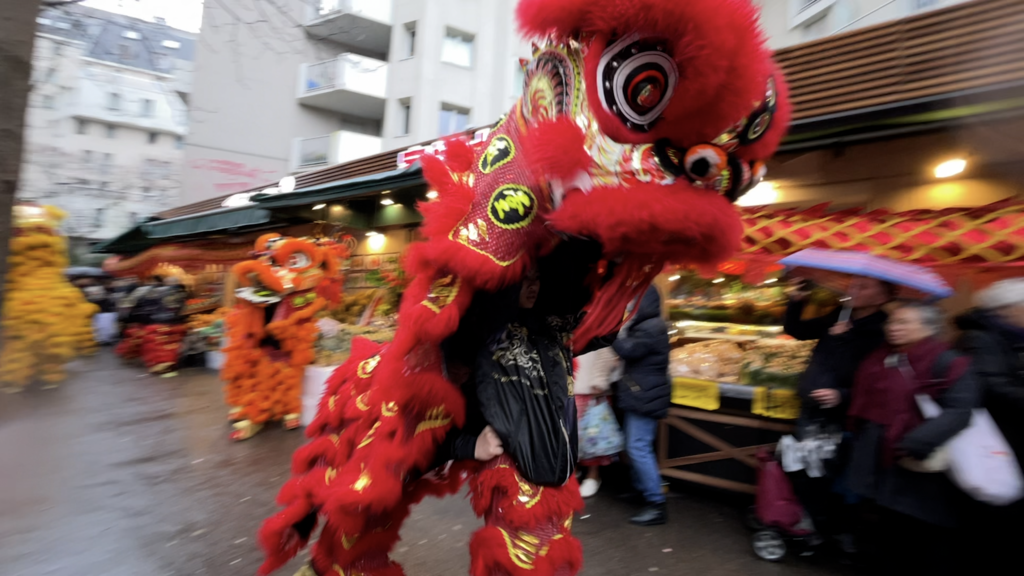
527	494
347	542
523	548
367	366
369	435
389	409
442	293
361	401
436	418
362	482
330	475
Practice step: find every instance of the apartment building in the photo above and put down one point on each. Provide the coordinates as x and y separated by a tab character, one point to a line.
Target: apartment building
303	84
789	22
106	119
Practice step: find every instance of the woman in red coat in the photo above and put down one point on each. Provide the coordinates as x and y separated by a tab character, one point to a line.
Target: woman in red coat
891	439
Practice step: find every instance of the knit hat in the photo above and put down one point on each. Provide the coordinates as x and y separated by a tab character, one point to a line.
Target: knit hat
1001	294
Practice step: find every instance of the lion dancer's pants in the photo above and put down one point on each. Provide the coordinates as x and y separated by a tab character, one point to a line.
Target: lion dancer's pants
527	527
526	532
161	345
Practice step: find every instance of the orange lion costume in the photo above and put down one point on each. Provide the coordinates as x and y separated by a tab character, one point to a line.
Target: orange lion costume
640	122
271	331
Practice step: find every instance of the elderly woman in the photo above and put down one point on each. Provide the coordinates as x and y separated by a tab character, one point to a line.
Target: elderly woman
892	439
993	336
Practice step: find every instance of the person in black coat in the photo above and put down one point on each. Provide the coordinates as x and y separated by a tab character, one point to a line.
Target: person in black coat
993	336
825	386
644	395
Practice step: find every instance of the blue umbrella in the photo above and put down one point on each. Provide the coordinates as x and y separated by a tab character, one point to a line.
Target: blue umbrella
834	268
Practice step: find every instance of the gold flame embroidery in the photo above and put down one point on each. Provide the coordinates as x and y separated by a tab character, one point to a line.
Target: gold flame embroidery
436	418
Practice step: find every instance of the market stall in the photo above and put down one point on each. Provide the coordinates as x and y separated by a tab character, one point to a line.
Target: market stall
734	374
734	371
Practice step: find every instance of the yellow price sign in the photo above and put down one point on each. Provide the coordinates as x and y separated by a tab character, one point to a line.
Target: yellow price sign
701	394
775	403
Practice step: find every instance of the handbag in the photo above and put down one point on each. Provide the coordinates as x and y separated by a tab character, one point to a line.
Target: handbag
980	460
599	433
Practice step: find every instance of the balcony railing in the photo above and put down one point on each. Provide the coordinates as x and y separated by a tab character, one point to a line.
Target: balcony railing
379	10
334	148
313	152
347	72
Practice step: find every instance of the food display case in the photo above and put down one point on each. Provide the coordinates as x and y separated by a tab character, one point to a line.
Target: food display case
734	378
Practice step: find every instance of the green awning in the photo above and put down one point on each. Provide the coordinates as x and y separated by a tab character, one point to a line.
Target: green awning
212	221
341	189
134	240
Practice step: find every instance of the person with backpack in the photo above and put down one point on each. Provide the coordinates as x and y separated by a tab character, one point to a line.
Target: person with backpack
644	394
914	503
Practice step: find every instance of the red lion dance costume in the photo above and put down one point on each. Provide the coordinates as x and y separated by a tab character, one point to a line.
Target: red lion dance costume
272	329
640	122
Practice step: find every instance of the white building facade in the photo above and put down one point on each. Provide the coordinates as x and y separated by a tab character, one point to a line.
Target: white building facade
789	22
327	82
107	119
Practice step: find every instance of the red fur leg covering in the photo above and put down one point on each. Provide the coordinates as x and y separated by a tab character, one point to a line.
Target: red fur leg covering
527	531
130	347
161	344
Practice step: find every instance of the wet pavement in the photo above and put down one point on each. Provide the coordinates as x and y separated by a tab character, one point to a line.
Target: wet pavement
117	473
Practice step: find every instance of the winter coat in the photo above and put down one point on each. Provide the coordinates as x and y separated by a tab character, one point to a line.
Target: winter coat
835	359
887	426
998	353
645	388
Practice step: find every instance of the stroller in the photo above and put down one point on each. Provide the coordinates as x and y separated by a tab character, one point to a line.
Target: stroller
778	520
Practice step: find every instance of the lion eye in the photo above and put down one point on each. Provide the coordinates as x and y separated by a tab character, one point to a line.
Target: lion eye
637	80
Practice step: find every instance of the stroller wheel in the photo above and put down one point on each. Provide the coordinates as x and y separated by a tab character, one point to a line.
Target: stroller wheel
751	519
769	545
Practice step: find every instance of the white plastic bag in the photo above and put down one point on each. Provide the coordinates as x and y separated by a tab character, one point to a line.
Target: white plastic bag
981	462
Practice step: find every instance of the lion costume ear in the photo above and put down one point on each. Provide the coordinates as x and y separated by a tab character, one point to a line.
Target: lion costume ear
542	18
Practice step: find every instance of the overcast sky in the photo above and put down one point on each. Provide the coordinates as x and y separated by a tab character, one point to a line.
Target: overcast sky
183	14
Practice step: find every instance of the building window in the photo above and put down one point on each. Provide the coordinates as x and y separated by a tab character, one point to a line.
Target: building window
409	40
113	101
172	44
111	131
81	127
48	101
924	4
457	48
98	218
453	120
51	75
108	162
146	108
404	116
133	218
154	137
58	48
179	143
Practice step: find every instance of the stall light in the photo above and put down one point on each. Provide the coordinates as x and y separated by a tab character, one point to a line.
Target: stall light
432	194
336	208
674	278
387	202
761	195
771	281
372	233
386	192
718	280
950	168
376	242
286	185
319	206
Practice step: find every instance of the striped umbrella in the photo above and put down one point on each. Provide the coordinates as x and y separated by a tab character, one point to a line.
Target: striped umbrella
833	269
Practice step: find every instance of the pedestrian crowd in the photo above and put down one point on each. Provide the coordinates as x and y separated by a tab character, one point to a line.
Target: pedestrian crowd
879	499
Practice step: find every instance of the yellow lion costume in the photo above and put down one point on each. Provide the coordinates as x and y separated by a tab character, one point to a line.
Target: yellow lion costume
46	320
